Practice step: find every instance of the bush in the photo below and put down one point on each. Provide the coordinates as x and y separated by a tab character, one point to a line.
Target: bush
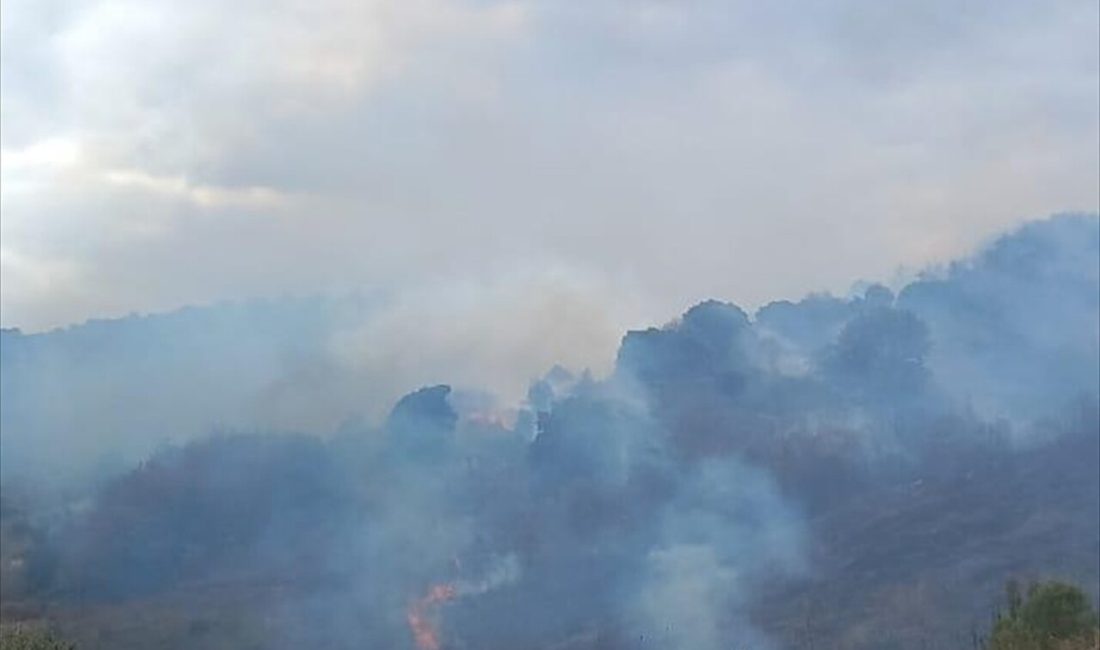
28	637
1054	616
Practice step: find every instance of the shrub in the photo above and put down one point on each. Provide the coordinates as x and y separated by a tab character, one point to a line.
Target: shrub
30	637
1054	616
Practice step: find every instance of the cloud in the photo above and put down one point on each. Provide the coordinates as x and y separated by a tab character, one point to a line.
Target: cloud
203	195
672	147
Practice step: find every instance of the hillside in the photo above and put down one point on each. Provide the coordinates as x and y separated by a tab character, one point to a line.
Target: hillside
852	473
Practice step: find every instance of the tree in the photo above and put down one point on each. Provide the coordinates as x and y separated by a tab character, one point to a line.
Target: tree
1054	616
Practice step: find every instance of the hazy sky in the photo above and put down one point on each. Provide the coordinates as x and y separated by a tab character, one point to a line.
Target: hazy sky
585	164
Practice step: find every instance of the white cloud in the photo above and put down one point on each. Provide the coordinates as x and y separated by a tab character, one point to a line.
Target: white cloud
202	195
171	153
54	153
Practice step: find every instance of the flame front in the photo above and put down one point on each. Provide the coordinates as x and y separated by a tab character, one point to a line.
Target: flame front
418	615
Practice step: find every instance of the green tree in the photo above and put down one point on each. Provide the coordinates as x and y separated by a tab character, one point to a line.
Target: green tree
1053	616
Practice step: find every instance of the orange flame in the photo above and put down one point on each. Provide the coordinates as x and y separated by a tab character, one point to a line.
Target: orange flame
423	629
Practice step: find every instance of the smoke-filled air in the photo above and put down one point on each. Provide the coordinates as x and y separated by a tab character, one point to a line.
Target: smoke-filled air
825	472
535	325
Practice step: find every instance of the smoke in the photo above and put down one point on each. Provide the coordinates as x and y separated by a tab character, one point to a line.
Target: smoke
90	400
504	571
683	602
1017	327
727	533
644	508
